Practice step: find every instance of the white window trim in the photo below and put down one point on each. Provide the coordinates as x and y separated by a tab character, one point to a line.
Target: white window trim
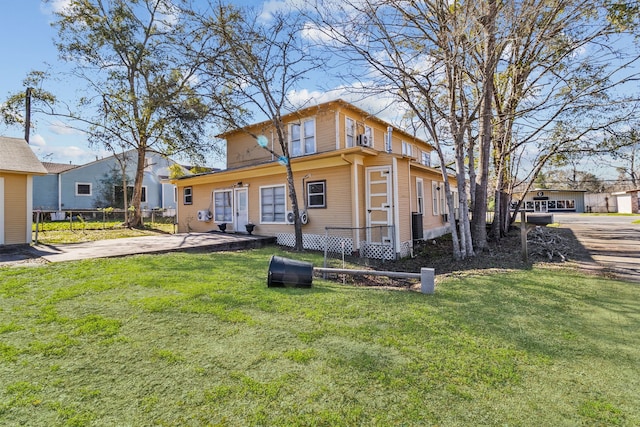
184	195
324	194
230	204
407	149
434	197
286	207
425	158
419	195
303	136
90	189
349	131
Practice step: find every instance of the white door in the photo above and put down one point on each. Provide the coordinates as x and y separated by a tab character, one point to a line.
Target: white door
241	209
378	183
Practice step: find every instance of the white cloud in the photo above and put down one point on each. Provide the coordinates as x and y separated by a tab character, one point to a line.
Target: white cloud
37	140
54	6
273	7
66	154
61	128
386	108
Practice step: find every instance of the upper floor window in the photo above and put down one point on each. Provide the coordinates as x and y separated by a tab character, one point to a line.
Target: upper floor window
426	158
349	132
83	189
407	149
303	138
187	193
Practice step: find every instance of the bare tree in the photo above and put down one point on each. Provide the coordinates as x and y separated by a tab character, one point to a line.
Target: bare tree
423	53
263	62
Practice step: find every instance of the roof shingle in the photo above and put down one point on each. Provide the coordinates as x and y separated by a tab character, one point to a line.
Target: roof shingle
17	157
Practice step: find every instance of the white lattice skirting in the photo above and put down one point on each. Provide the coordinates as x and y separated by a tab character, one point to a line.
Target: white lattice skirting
315	242
338	244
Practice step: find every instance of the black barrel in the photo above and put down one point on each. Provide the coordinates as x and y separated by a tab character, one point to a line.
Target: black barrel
289	272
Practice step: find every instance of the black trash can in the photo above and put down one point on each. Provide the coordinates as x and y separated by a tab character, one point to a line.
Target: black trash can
289	272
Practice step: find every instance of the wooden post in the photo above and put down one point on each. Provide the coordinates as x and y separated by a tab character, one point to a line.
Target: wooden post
37	225
27	114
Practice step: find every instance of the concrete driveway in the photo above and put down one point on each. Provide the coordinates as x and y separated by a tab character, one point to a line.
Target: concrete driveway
24	254
612	241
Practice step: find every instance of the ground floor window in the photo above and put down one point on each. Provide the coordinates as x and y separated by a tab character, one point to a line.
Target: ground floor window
317	194
222	206
187	193
420	195
273	204
83	189
550	205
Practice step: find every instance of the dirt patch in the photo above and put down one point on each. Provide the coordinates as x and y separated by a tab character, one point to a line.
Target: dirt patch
545	245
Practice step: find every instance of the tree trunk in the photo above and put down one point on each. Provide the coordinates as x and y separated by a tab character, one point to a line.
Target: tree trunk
486	114
297	224
135	219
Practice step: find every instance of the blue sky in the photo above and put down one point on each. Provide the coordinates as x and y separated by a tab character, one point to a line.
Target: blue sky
28	44
27	34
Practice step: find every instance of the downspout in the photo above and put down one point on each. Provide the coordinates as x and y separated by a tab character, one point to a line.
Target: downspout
59	192
356	197
396	207
411	202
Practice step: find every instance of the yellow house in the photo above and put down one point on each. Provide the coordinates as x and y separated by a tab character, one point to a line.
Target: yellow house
18	164
362	185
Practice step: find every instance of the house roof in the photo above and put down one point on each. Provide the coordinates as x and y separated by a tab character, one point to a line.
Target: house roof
16	156
308	110
53	168
621	193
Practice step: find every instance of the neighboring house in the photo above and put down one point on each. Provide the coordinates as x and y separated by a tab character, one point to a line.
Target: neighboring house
548	200
361	184
18	165
600	203
628	201
99	184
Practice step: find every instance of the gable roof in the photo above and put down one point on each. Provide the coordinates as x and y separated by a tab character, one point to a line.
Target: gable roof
16	156
311	109
58	167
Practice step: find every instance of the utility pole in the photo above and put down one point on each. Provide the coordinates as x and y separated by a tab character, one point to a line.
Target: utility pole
27	120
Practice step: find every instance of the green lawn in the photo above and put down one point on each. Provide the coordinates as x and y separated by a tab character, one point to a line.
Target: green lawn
198	339
92	229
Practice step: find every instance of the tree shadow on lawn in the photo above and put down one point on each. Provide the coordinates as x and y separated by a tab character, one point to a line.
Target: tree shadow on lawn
554	312
546	245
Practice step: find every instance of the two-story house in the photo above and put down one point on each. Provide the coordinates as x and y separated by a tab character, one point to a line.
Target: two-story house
360	182
98	184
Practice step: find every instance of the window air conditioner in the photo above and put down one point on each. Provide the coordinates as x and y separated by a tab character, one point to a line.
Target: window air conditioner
363	140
